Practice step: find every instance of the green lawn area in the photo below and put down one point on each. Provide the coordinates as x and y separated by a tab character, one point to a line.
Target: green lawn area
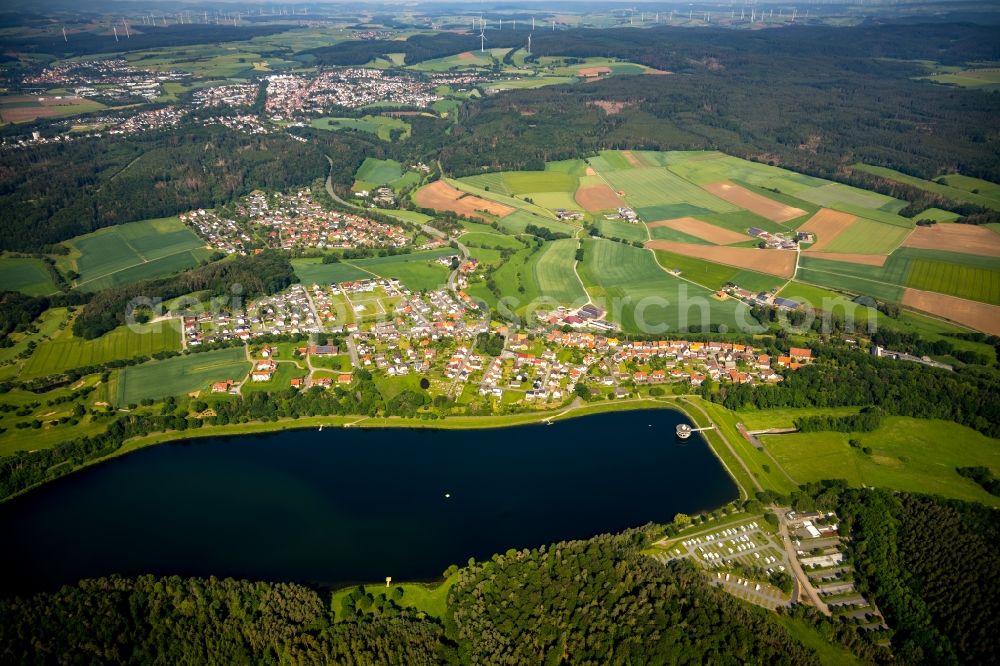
135	251
429	599
406	215
828	653
915	455
824	299
181	375
417	271
379	172
47	436
26	274
66	352
312	271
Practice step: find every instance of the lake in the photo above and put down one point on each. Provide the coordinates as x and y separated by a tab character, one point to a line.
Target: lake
339	506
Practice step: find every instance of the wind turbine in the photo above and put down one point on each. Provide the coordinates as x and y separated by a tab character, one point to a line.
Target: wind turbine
529	43
127	34
482	39
64	35
116	32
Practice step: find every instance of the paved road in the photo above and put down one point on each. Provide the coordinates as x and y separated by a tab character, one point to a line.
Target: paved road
793	561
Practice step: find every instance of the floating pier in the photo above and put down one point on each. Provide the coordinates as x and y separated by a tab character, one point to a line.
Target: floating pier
684	430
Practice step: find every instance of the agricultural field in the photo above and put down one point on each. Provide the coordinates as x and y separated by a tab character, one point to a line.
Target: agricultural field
914	455
867	237
779	263
710	233
130	252
516	223
982	79
555	275
491	240
829	301
976	283
384	127
716	276
972	185
67	352
417	271
963	238
374	173
656	186
621	229
960	195
27	108
180	375
754	202
973	314
230	60
27	275
441	195
313	271
642	297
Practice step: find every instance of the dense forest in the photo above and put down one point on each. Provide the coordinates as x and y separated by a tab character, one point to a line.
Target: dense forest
813	99
932	567
58	191
50	40
580	602
842	377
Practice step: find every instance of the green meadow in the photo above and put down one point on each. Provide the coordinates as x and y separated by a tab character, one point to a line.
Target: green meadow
555	275
384	127
67	352
914	455
131	252
26	274
180	375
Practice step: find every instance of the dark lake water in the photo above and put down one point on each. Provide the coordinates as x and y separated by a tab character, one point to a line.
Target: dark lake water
342	506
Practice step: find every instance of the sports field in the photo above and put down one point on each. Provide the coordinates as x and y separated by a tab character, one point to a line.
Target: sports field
26	274
554	273
965	238
136	251
67	352
381	126
642	297
181	375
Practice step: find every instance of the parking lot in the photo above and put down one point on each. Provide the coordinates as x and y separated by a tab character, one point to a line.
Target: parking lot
728	553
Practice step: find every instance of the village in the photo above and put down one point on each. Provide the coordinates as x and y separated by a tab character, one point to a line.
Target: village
111	79
290	95
289	221
441	335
